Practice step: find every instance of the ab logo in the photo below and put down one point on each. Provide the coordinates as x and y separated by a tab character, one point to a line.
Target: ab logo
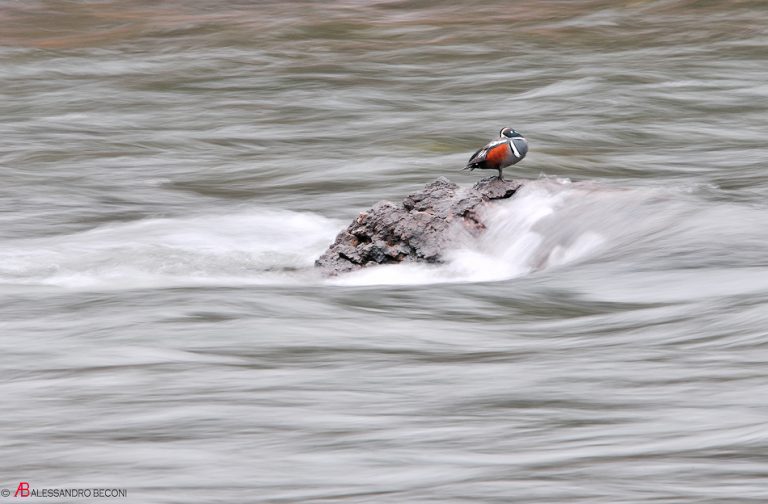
22	490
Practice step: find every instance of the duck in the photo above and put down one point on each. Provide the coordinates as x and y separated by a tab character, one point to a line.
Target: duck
510	148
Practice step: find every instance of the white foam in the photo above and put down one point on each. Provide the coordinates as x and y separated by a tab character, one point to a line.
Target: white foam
248	247
550	223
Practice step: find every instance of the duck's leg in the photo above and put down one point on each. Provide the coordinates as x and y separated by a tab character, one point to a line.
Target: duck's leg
500	177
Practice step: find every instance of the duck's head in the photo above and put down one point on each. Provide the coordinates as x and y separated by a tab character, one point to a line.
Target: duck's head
510	133
517	142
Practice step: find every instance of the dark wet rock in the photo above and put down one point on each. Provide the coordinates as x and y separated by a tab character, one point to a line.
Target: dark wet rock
416	230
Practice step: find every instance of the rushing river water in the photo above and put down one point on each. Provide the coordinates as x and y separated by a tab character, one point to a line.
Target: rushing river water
170	171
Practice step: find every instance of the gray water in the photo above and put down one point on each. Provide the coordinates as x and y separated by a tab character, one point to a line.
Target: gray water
170	171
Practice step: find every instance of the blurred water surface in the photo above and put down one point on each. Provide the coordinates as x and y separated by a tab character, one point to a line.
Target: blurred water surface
171	170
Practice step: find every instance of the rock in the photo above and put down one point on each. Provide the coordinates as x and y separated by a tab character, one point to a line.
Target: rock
416	230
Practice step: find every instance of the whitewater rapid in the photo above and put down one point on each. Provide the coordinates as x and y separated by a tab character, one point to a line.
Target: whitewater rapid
550	223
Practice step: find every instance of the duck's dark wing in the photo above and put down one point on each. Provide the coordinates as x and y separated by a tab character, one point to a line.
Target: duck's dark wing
479	157
476	158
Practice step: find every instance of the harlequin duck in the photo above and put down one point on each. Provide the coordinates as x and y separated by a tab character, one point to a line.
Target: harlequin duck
510	148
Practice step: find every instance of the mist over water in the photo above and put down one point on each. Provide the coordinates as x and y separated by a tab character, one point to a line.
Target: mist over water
172	170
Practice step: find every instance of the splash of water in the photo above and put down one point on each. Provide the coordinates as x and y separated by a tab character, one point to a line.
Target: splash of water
549	224
249	247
